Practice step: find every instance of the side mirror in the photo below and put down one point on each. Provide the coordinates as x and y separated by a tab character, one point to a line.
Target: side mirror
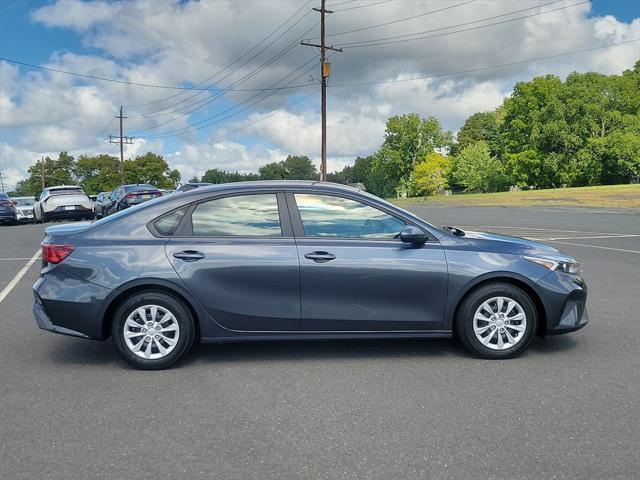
36	198
413	235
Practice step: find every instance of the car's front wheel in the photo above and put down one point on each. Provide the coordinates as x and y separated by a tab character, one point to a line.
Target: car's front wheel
496	320
152	330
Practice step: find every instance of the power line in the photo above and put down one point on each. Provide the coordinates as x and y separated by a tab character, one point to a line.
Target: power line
248	76
376	43
363	6
206	122
491	67
424	14
137	84
232	63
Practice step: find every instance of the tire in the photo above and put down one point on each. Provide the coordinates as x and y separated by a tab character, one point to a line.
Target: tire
499	335
180	324
43	217
35	218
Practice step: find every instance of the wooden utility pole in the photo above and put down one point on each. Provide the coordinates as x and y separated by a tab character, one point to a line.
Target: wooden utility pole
325	71
1	180
122	140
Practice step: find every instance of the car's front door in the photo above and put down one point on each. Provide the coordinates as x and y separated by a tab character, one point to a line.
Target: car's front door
238	257
356	275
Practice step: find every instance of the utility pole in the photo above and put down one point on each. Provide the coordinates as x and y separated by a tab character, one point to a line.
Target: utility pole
122	140
1	180
325	71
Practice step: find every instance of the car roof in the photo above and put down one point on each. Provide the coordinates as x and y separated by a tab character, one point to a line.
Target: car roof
277	184
64	187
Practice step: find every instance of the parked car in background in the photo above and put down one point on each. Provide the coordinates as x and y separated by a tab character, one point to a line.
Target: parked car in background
62	202
280	260
190	186
8	213
98	205
24	208
129	195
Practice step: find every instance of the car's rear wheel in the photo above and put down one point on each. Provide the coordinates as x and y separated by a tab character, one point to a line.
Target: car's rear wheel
497	320
152	330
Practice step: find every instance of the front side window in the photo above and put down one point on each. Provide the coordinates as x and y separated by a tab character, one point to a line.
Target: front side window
328	216
243	215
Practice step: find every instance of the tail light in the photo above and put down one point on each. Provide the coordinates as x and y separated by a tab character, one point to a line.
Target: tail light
56	253
132	195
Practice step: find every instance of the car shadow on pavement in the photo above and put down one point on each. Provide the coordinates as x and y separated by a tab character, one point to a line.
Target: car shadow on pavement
82	352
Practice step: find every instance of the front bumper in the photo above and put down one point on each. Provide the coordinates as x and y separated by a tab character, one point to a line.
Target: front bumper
565	302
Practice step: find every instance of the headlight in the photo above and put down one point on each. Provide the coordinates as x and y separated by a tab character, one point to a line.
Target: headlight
567	266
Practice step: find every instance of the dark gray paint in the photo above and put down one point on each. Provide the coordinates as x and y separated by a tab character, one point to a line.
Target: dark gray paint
265	288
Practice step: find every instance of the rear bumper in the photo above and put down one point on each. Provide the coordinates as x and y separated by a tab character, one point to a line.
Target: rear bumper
70	306
78	212
8	217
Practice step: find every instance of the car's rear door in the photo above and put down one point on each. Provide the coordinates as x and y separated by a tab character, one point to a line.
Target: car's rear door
356	275
238	257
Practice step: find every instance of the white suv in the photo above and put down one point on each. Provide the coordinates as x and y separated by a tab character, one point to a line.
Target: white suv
62	202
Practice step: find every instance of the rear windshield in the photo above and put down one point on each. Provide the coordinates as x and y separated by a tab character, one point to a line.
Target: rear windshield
134	188
67	191
4	196
23	202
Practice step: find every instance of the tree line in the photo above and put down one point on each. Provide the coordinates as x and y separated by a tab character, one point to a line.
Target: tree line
584	130
98	173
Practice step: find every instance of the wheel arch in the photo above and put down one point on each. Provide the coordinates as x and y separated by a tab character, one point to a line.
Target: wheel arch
504	277
155	285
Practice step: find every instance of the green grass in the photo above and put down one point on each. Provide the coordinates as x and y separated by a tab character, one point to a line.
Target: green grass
605	196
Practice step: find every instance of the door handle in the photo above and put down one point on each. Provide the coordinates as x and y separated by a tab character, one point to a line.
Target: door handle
320	257
189	255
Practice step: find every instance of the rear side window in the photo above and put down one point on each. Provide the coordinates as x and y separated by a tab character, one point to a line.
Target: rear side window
242	215
168	224
328	216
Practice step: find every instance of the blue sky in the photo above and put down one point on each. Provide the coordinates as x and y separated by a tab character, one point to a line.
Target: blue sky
178	43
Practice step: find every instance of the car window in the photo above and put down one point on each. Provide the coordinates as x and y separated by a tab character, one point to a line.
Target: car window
167	224
4	196
243	215
329	216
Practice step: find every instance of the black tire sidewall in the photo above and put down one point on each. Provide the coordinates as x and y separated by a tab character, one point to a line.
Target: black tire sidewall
468	307
176	307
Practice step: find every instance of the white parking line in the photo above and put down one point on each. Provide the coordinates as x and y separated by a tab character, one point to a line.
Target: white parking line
19	275
597	246
547	239
14	259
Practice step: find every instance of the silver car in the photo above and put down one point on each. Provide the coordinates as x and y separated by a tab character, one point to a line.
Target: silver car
24	208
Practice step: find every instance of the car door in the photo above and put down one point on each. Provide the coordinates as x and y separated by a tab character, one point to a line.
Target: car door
238	257
356	275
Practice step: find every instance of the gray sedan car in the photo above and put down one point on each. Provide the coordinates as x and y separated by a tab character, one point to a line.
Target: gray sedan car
296	260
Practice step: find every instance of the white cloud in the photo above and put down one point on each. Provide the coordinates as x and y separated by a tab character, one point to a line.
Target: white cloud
171	42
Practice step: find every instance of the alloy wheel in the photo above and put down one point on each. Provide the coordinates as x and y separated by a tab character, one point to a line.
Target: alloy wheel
151	332
500	323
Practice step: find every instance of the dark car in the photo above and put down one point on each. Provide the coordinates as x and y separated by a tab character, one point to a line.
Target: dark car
8	213
296	260
190	186
98	205
129	195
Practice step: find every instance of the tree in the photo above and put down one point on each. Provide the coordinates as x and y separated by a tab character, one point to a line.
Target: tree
55	171
215	175
151	168
291	168
431	175
97	174
481	126
477	170
408	139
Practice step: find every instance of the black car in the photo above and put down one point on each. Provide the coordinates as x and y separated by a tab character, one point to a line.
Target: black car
98	205
8	213
129	195
296	260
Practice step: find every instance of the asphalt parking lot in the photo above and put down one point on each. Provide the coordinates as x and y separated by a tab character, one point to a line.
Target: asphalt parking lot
568	408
